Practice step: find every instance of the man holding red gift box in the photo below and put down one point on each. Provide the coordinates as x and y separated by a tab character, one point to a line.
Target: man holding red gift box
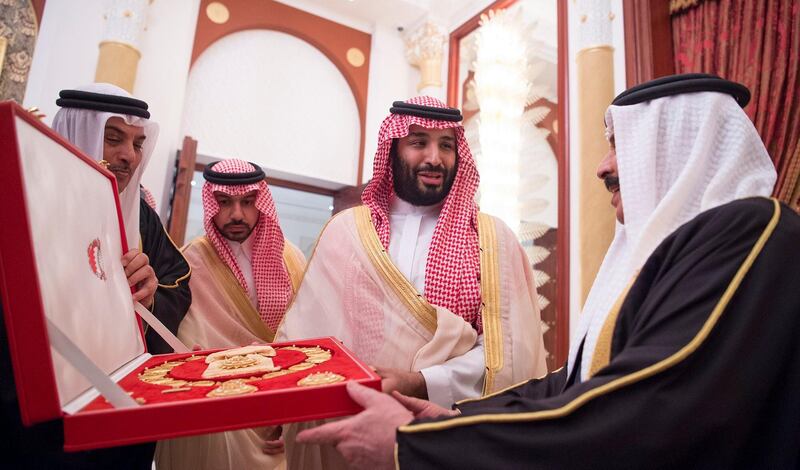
113	128
109	125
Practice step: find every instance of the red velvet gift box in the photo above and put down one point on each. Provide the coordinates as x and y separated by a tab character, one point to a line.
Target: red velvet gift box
76	343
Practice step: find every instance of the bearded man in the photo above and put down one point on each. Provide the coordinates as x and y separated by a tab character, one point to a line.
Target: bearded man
439	297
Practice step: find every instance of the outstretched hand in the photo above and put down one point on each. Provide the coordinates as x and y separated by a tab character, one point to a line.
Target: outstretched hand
366	440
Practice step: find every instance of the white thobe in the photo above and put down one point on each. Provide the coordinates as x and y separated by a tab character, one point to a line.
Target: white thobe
244	254
411	229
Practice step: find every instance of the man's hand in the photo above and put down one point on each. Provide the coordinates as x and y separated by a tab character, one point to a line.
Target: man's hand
274	444
140	275
423	408
411	384
366	440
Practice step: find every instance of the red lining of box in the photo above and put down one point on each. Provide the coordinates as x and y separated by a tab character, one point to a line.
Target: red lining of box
153	394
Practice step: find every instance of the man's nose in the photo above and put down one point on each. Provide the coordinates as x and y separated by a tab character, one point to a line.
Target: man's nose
126	152
237	212
433	155
605	168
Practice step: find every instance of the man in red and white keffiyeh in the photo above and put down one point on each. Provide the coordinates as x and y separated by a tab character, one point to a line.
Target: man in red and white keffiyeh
243	231
424	165
399	280
244	274
241	223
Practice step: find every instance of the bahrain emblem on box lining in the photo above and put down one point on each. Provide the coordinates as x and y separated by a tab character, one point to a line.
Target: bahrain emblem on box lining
95	256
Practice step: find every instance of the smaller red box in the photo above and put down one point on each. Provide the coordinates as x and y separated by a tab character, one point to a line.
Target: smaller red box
60	246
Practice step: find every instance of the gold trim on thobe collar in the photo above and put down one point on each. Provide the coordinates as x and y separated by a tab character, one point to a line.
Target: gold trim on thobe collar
236	294
423	311
490	300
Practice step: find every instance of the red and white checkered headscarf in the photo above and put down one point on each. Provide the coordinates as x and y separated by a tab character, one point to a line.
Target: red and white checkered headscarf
148	197
452	271
273	286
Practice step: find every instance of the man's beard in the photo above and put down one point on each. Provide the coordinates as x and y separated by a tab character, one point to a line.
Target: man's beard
235	236
410	189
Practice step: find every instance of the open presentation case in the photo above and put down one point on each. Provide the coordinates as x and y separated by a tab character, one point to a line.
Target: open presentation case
76	341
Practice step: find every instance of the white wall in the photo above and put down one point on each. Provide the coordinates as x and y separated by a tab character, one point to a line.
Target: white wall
166	48
276	100
66	51
66	57
391	78
618	35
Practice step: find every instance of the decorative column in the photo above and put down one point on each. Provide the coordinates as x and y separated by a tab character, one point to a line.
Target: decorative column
424	50
119	49
595	64
18	30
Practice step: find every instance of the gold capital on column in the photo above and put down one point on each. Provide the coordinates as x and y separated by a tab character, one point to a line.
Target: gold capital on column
424	48
597	218
430	73
117	64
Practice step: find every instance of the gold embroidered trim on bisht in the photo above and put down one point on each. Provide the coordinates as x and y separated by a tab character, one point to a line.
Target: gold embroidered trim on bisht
230	285
293	265
504	390
185	276
490	300
424	312
602	349
631	378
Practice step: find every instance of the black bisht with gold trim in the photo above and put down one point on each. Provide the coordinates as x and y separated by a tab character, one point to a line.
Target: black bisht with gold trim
172	297
704	369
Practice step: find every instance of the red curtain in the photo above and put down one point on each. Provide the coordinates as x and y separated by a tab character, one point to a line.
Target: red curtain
757	43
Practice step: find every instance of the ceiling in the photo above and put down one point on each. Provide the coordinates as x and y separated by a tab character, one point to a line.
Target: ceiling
365	14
